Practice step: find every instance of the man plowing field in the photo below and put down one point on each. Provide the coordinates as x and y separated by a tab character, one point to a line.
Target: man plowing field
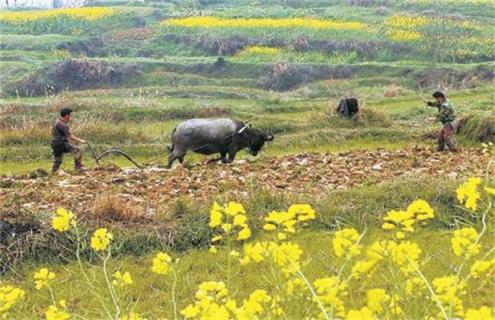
446	116
61	136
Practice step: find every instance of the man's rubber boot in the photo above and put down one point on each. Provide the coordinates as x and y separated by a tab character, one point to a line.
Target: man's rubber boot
452	147
78	166
56	167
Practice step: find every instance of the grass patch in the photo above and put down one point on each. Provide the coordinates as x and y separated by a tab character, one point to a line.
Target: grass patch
184	225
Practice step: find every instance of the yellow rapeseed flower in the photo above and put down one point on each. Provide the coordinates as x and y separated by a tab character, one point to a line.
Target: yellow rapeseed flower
254	307
414	286
483	313
59	312
212	289
405	255
449	290
405	28
213	250
329	291
468	193
191	311
284	222
161	263
244	234
215	216
362	314
303	212
254	252
286	255
402	222
42	278
231	218
377	299
131	316
239	220
464	242
303	22
216	238
374	254
346	243
258	50
421	210
295	286
483	268
122	279
85	13
9	296
62	220
227	227
363	268
101	239
234	208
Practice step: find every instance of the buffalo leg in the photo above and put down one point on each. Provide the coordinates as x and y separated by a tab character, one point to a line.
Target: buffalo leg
231	156
171	159
176	154
222	157
181	158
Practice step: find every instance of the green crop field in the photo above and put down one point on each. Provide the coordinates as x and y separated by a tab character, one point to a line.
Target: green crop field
336	218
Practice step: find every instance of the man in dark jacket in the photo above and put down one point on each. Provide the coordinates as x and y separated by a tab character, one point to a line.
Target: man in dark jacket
446	116
61	136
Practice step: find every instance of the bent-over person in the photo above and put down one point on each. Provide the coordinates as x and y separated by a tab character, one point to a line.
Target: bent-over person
61	142
446	116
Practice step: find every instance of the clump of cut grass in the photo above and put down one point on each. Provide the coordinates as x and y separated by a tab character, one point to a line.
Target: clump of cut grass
478	127
366	117
393	90
114	207
369	118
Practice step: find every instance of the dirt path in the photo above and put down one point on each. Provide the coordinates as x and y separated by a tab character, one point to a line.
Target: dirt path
312	174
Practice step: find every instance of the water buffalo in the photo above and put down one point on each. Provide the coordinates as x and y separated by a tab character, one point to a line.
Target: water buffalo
210	136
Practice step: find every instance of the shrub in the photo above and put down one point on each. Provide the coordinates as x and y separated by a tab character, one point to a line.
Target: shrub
222	46
284	77
73	74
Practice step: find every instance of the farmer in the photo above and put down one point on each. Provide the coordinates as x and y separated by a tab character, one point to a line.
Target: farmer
60	143
446	116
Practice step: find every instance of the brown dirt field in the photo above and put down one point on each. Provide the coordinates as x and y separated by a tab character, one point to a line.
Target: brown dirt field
304	174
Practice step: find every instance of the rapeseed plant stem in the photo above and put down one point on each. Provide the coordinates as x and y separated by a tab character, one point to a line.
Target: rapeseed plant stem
313	293
174	303
109	284
88	281
430	289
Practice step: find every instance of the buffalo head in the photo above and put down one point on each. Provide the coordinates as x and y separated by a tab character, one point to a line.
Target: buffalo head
254	138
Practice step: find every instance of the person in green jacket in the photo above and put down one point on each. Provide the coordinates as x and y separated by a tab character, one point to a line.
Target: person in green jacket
446	115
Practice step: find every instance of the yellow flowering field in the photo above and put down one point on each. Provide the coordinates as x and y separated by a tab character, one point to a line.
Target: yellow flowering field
86	13
281	23
406	28
385	276
453	38
258	50
66	20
